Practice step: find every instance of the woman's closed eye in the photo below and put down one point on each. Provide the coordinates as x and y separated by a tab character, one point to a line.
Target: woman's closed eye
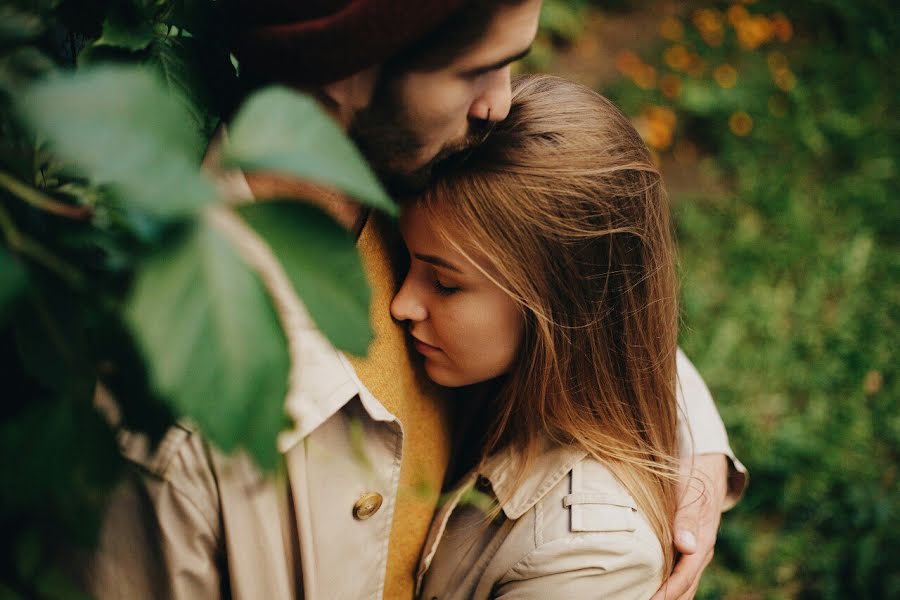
444	288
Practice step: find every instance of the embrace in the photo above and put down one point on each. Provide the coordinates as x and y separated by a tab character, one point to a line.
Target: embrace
524	425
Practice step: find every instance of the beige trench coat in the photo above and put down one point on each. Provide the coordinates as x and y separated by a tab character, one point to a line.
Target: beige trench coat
192	524
571	530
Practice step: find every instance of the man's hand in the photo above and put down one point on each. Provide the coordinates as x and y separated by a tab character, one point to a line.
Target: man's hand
696	525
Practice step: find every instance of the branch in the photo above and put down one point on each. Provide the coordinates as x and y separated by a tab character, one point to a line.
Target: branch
20	242
42	201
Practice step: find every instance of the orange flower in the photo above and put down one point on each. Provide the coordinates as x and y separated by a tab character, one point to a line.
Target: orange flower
709	23
784	30
737	14
754	32
645	77
656	124
740	123
670	85
671	29
784	79
677	57
707	19
628	63
726	76
872	383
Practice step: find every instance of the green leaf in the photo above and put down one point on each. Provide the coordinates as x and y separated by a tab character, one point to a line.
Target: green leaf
322	262
199	73
282	130
212	341
120	126
132	36
13	281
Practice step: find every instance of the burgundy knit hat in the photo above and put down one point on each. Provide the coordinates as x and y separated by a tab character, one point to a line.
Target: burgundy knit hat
310	42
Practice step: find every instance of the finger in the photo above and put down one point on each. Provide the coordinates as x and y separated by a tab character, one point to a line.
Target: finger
692	591
686	526
689	595
679	582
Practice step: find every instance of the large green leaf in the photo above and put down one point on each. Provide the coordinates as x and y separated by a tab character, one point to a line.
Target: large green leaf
212	341
322	262
282	130
121	127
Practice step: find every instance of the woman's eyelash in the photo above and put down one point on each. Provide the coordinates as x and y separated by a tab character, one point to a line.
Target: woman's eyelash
443	289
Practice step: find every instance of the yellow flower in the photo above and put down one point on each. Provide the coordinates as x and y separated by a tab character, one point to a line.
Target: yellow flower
671	29
669	85
726	76
677	57
740	123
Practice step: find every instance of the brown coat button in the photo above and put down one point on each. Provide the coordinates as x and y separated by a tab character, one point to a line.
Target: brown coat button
367	505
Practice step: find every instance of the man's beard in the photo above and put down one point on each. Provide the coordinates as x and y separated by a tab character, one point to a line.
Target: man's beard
388	142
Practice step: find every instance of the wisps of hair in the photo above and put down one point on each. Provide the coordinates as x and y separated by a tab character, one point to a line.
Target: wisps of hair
564	200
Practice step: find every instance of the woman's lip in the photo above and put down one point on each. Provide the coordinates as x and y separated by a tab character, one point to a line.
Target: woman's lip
423	347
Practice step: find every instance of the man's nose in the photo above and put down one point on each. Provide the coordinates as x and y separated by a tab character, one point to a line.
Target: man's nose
493	103
406	306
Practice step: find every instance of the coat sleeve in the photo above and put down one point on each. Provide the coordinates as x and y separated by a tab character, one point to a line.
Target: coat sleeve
612	566
700	428
160	535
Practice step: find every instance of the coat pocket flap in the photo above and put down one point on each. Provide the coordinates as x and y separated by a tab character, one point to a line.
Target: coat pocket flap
601	512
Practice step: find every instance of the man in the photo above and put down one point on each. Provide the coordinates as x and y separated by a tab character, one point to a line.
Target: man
413	82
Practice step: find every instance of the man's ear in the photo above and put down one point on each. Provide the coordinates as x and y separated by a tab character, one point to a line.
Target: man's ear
344	98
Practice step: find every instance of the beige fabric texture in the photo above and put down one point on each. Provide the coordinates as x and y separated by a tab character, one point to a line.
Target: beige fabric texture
571	530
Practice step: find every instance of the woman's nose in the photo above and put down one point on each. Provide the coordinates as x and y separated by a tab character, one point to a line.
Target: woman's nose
406	306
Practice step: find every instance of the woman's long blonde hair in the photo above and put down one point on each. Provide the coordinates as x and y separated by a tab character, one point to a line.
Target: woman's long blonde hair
564	210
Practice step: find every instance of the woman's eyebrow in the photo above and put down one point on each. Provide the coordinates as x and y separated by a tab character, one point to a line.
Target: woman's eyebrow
437	260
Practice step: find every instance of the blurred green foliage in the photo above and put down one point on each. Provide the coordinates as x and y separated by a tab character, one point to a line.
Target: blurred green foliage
118	264
790	272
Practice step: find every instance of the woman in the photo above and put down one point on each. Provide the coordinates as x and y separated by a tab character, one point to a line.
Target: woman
542	273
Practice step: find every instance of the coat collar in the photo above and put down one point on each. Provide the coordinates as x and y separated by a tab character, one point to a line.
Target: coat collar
551	464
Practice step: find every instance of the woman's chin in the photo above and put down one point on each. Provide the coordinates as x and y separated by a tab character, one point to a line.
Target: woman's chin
443	376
